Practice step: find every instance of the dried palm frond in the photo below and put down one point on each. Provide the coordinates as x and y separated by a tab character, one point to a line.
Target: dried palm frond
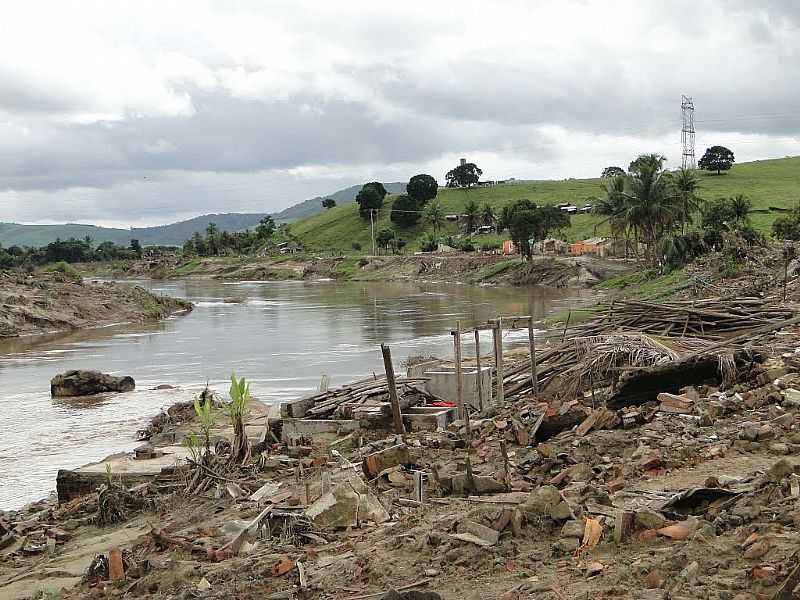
601	357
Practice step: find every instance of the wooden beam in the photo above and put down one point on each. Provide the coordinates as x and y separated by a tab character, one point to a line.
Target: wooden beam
532	346
397	416
498	359
462	408
479	378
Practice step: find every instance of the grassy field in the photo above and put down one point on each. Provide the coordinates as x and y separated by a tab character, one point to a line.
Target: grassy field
768	183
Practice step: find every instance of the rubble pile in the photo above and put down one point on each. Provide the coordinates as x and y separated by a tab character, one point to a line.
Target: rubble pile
644	467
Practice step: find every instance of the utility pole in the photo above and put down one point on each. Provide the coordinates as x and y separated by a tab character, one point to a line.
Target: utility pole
687	132
372	228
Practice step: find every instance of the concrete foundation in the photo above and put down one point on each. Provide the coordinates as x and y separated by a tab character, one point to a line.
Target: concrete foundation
428	418
442	383
305	427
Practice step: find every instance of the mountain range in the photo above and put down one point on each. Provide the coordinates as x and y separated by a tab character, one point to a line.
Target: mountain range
173	234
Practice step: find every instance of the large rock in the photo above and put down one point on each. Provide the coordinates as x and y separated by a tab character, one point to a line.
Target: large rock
86	383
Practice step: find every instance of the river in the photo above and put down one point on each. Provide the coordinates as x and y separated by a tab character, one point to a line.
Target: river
282	336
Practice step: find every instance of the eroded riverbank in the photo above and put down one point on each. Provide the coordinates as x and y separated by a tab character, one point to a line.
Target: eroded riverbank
54	302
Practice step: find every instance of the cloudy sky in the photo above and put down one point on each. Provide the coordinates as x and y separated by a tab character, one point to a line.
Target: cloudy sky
139	113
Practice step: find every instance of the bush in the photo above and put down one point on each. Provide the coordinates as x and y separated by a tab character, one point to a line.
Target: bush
466	245
428	242
489	246
356	246
63	268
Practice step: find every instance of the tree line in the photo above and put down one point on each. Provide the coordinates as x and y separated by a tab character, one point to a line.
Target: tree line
223	243
71	251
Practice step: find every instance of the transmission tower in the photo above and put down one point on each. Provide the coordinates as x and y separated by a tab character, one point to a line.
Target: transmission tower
687	132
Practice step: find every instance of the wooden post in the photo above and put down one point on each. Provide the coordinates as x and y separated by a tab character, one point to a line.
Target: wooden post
479	378
463	409
532	345
419	492
566	326
497	332
397	417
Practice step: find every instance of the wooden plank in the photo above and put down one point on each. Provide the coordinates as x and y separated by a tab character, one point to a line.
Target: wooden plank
397	416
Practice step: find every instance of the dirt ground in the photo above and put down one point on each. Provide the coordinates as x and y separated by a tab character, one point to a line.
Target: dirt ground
46	303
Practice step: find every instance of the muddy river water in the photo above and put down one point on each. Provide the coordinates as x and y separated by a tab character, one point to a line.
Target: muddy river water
282	336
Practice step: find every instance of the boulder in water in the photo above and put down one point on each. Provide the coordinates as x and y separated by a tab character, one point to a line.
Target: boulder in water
86	383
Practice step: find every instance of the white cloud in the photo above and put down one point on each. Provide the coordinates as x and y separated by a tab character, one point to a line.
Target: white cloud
254	105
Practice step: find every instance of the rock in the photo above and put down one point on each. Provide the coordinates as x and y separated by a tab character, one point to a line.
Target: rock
779	470
87	383
470	531
573	529
757	550
779	448
542	500
654	580
766	432
348	504
649	519
791	397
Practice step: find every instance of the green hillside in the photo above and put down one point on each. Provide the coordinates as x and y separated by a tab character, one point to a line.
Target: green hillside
768	183
313	206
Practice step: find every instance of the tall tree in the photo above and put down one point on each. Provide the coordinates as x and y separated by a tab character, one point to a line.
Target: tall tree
405	211
463	176
613	172
528	223
211	238
652	161
685	186
422	188
471	214
717	158
265	227
369	199
434	214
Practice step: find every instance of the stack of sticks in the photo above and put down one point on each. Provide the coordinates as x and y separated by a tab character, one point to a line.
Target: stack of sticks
366	399
711	318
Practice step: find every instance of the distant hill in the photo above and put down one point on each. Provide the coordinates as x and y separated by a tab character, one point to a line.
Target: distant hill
313	206
13	234
174	234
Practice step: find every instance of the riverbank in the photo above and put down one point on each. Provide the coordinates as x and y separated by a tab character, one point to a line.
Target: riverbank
54	302
677	480
467	268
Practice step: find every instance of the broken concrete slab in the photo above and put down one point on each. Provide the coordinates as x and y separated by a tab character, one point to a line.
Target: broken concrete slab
377	462
349	504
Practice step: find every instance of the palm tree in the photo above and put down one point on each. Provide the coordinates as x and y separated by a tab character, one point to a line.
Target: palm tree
435	215
741	206
652	210
487	214
686	185
471	214
612	205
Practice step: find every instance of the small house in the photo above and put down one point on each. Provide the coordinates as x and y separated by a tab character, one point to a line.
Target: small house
589	246
552	246
509	247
